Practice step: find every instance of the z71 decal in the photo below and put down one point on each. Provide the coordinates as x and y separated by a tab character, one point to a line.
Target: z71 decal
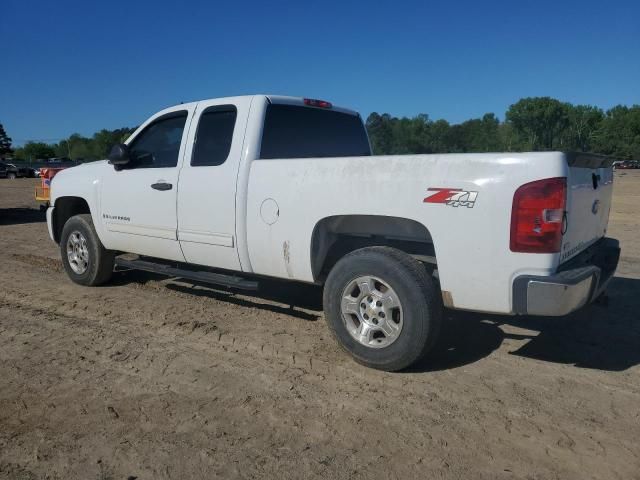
454	197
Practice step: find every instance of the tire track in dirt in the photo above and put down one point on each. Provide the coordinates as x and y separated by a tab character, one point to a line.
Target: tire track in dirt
46	263
186	366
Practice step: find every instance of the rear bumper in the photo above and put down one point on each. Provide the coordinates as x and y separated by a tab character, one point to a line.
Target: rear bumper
576	283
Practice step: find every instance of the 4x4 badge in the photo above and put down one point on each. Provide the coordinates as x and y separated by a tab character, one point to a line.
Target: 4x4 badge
454	197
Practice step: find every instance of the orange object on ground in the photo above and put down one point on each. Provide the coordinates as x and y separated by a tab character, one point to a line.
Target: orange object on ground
43	191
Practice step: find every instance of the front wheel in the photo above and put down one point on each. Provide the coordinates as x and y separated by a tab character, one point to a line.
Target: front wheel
85	259
383	307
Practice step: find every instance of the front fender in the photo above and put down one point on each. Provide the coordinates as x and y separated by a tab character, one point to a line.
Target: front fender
82	182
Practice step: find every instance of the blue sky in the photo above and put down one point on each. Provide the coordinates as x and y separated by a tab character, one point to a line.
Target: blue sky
82	66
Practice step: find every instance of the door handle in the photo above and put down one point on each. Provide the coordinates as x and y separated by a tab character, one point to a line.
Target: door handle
162	186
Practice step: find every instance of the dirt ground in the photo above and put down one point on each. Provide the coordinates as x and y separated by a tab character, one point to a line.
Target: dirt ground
152	378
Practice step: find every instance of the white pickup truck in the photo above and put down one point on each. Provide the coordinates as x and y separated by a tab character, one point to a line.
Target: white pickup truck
233	190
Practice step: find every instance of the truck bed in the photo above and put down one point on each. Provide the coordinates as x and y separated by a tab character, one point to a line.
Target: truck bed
470	238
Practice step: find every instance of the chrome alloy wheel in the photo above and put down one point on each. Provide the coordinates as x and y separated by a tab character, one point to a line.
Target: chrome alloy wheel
372	312
77	252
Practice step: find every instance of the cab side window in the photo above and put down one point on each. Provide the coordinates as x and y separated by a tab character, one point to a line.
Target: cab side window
158	145
214	136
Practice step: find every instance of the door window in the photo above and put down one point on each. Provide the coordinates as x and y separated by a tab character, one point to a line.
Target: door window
158	145
214	136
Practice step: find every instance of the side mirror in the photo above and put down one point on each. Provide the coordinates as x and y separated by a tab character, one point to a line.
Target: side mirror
119	155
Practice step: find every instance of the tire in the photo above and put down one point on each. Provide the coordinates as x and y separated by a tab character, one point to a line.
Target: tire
403	333
11	176
85	259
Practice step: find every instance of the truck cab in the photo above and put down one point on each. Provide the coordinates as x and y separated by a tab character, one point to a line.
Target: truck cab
183	197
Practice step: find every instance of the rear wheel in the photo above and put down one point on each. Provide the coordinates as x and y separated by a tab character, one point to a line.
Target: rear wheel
383	307
85	259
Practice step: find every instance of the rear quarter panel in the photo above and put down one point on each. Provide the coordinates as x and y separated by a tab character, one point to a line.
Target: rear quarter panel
475	264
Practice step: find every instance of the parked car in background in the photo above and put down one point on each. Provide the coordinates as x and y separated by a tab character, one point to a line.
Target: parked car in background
628	165
25	171
10	171
58	160
16	170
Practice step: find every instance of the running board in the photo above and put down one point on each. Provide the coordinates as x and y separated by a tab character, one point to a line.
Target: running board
199	276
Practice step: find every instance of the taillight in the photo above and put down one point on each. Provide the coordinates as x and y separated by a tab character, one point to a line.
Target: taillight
537	216
312	102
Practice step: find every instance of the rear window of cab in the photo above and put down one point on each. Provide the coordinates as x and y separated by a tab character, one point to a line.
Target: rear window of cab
292	131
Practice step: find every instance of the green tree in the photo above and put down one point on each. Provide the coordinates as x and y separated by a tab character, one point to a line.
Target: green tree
62	149
380	133
509	139
476	135
32	151
103	140
584	123
439	138
78	147
411	135
619	133
5	143
539	121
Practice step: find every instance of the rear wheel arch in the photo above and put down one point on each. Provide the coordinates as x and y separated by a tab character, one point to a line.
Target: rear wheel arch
336	236
65	208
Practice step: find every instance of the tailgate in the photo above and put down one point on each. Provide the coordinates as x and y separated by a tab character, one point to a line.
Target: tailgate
589	191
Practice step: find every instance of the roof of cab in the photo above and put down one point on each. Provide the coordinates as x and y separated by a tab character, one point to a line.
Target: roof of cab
282	99
277	99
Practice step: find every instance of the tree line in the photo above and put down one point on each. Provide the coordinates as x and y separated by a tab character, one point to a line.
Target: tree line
76	147
531	124
538	123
